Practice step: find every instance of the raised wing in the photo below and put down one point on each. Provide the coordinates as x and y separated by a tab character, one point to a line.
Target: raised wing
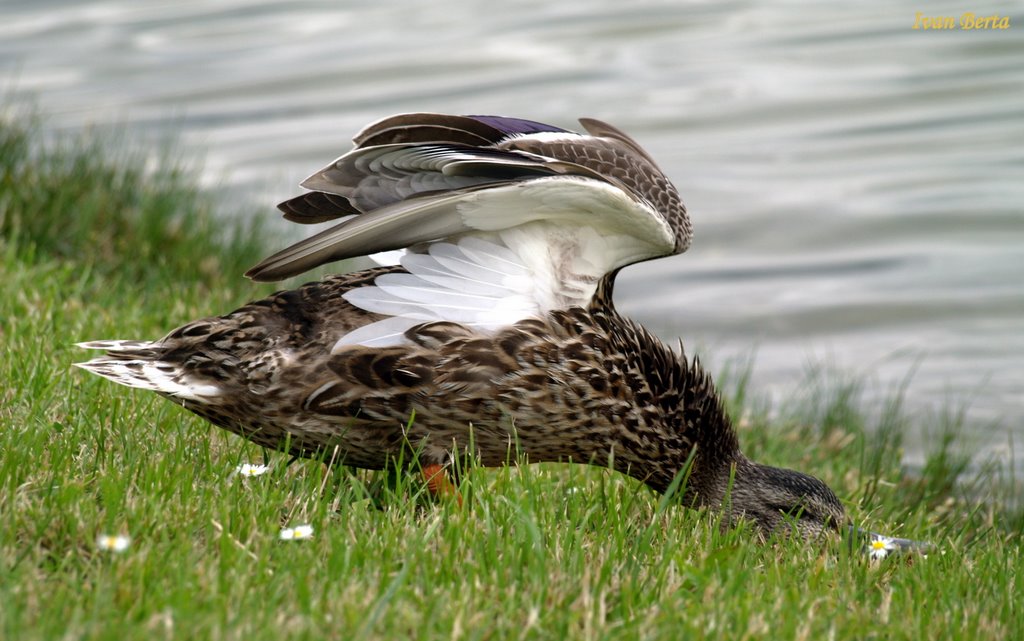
504	218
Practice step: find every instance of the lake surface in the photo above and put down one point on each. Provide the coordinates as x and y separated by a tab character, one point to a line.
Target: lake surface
856	186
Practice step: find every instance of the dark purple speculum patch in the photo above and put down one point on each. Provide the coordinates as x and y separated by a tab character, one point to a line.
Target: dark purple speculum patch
510	126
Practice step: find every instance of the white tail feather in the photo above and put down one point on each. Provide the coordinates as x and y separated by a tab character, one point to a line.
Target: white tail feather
116	345
150	375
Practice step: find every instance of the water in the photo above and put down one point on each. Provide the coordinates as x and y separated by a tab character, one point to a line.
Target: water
856	186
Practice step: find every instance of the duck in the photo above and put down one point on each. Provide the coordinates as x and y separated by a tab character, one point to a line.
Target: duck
489	332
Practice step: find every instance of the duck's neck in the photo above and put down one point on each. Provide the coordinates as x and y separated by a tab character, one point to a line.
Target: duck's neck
696	445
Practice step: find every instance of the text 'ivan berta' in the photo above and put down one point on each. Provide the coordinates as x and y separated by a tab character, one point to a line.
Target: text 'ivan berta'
967	21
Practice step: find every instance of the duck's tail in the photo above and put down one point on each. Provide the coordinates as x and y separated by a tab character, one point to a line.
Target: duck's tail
137	364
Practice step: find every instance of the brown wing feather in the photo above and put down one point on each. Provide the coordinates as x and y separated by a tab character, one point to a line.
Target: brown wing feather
316	207
426	127
618	160
603	130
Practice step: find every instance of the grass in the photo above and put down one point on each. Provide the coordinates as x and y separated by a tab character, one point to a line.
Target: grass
92	248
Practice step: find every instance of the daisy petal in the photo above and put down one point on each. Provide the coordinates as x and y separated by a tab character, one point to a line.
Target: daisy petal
297	533
249	469
113	542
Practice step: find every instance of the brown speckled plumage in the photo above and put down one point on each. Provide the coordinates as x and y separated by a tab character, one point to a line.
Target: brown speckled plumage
576	382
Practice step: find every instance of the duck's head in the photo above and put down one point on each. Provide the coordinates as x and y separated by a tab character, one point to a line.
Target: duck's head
782	501
778	500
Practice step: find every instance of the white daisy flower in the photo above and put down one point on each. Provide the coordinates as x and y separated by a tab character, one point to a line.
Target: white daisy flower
248	469
297	533
113	542
880	547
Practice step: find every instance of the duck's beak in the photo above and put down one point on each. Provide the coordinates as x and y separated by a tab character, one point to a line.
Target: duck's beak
879	546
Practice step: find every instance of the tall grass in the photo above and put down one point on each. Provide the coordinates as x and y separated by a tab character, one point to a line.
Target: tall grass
95	246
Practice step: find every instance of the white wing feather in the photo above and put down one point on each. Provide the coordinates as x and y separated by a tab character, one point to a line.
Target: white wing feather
526	248
475	282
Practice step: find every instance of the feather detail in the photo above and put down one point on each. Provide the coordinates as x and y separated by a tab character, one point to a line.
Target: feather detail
476	283
151	375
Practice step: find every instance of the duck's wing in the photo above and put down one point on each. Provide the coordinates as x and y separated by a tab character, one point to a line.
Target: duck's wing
505	218
375	173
